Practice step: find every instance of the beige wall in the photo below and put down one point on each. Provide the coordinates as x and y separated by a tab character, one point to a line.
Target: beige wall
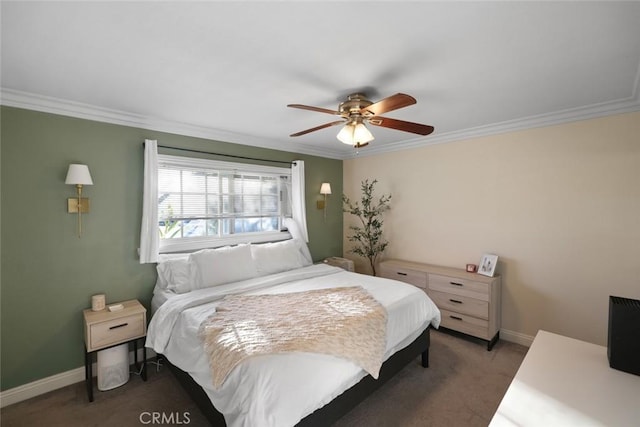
559	205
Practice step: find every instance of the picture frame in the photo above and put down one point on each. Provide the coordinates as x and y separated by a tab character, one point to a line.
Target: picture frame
487	266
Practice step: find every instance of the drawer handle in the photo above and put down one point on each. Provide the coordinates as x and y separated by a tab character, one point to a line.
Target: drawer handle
456	284
455	317
456	301
119	326
401	274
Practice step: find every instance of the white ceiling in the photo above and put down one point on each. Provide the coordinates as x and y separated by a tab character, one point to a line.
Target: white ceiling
227	70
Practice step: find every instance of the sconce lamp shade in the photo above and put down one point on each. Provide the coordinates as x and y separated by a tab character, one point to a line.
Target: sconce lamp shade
78	175
325	189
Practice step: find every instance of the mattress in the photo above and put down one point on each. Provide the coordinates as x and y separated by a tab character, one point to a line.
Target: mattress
281	389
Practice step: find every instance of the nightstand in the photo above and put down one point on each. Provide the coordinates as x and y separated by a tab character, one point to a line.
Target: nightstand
104	329
345	264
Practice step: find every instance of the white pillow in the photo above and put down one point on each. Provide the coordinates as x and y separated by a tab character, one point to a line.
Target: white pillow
296	234
175	275
304	250
271	258
293	228
229	264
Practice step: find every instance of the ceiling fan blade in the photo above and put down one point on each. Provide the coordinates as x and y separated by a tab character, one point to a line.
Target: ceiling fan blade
318	109
399	100
326	125
401	125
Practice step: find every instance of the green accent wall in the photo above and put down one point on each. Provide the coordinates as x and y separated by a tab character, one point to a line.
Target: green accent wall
48	274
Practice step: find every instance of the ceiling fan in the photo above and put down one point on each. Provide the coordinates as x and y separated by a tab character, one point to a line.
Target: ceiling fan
358	110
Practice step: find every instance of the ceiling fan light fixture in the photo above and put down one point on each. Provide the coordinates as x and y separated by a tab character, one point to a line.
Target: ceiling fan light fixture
355	134
358	110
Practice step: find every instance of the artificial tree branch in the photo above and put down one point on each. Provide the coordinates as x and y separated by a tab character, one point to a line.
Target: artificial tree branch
367	238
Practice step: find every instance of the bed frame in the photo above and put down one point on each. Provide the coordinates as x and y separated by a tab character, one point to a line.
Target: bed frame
339	406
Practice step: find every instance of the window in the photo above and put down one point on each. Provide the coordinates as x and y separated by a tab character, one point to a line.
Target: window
207	203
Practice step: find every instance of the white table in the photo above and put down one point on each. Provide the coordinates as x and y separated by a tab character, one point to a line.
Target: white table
566	382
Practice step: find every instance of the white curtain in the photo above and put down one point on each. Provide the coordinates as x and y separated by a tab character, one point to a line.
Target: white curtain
298	208
149	235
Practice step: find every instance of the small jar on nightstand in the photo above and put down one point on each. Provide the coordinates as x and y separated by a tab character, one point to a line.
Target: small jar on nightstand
104	329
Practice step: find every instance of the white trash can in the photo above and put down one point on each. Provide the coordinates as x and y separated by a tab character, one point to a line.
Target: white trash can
113	367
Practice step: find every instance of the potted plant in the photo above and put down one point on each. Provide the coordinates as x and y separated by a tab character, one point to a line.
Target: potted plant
367	237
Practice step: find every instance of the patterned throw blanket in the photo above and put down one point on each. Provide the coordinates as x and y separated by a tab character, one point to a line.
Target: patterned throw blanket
344	322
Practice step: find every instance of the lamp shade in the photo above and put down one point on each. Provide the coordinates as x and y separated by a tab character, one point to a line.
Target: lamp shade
78	175
325	188
361	134
355	134
346	134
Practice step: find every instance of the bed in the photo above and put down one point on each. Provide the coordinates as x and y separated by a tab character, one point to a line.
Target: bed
283	388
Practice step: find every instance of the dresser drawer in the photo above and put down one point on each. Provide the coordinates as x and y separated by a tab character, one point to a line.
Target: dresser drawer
459	286
416	278
466	324
115	331
461	304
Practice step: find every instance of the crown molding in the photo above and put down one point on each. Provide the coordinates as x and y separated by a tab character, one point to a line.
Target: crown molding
19	99
46	104
626	105
602	109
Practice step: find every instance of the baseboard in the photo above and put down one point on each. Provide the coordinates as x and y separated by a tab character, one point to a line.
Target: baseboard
516	337
54	382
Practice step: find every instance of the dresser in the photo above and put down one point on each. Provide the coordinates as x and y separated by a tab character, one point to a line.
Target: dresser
469	302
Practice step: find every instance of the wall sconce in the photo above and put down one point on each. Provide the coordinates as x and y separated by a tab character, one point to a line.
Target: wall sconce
325	189
78	175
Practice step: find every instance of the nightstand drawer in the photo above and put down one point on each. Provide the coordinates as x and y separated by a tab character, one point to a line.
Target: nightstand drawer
461	304
464	323
459	286
115	331
417	278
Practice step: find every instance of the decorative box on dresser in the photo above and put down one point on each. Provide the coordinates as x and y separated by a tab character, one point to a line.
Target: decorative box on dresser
469	302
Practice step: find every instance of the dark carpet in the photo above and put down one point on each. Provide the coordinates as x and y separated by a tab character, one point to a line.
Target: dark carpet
462	387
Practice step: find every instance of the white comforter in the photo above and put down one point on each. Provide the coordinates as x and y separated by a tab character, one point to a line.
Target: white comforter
280	390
